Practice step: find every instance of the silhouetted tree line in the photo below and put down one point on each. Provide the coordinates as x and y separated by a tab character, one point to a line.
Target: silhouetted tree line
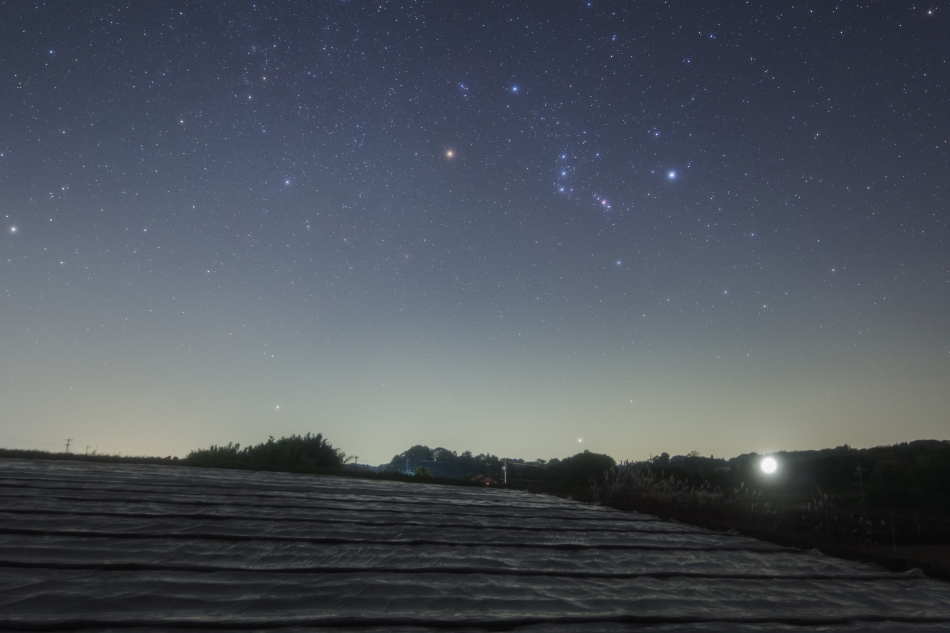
297	453
445	463
580	469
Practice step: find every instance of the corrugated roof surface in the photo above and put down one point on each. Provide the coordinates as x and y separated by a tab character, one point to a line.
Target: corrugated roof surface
119	546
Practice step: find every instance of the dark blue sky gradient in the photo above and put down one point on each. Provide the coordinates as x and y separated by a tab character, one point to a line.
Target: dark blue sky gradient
504	227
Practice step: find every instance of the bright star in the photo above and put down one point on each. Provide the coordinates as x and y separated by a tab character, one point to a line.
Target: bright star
619	262
13	229
287	181
671	175
450	153
514	89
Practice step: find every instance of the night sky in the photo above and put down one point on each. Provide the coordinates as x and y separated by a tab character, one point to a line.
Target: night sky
490	226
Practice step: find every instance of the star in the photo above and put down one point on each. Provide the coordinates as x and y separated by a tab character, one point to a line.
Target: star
450	153
13	229
671	175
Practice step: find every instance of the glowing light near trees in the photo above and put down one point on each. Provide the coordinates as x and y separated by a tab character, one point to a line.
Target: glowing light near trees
768	465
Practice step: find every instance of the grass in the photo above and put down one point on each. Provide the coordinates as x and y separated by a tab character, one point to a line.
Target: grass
830	523
13	453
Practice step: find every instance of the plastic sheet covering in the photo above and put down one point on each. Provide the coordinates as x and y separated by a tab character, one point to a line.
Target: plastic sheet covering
158	548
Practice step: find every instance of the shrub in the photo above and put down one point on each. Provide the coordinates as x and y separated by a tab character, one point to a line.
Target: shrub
582	468
295	453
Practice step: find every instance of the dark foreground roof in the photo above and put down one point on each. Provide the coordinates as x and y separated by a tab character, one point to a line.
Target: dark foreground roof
100	546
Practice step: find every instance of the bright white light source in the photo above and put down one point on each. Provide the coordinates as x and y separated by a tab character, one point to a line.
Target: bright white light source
768	465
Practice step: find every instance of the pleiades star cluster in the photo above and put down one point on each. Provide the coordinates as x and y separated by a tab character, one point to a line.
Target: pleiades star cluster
493	226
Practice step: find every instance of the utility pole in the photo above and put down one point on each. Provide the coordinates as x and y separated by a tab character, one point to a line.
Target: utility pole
68	442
